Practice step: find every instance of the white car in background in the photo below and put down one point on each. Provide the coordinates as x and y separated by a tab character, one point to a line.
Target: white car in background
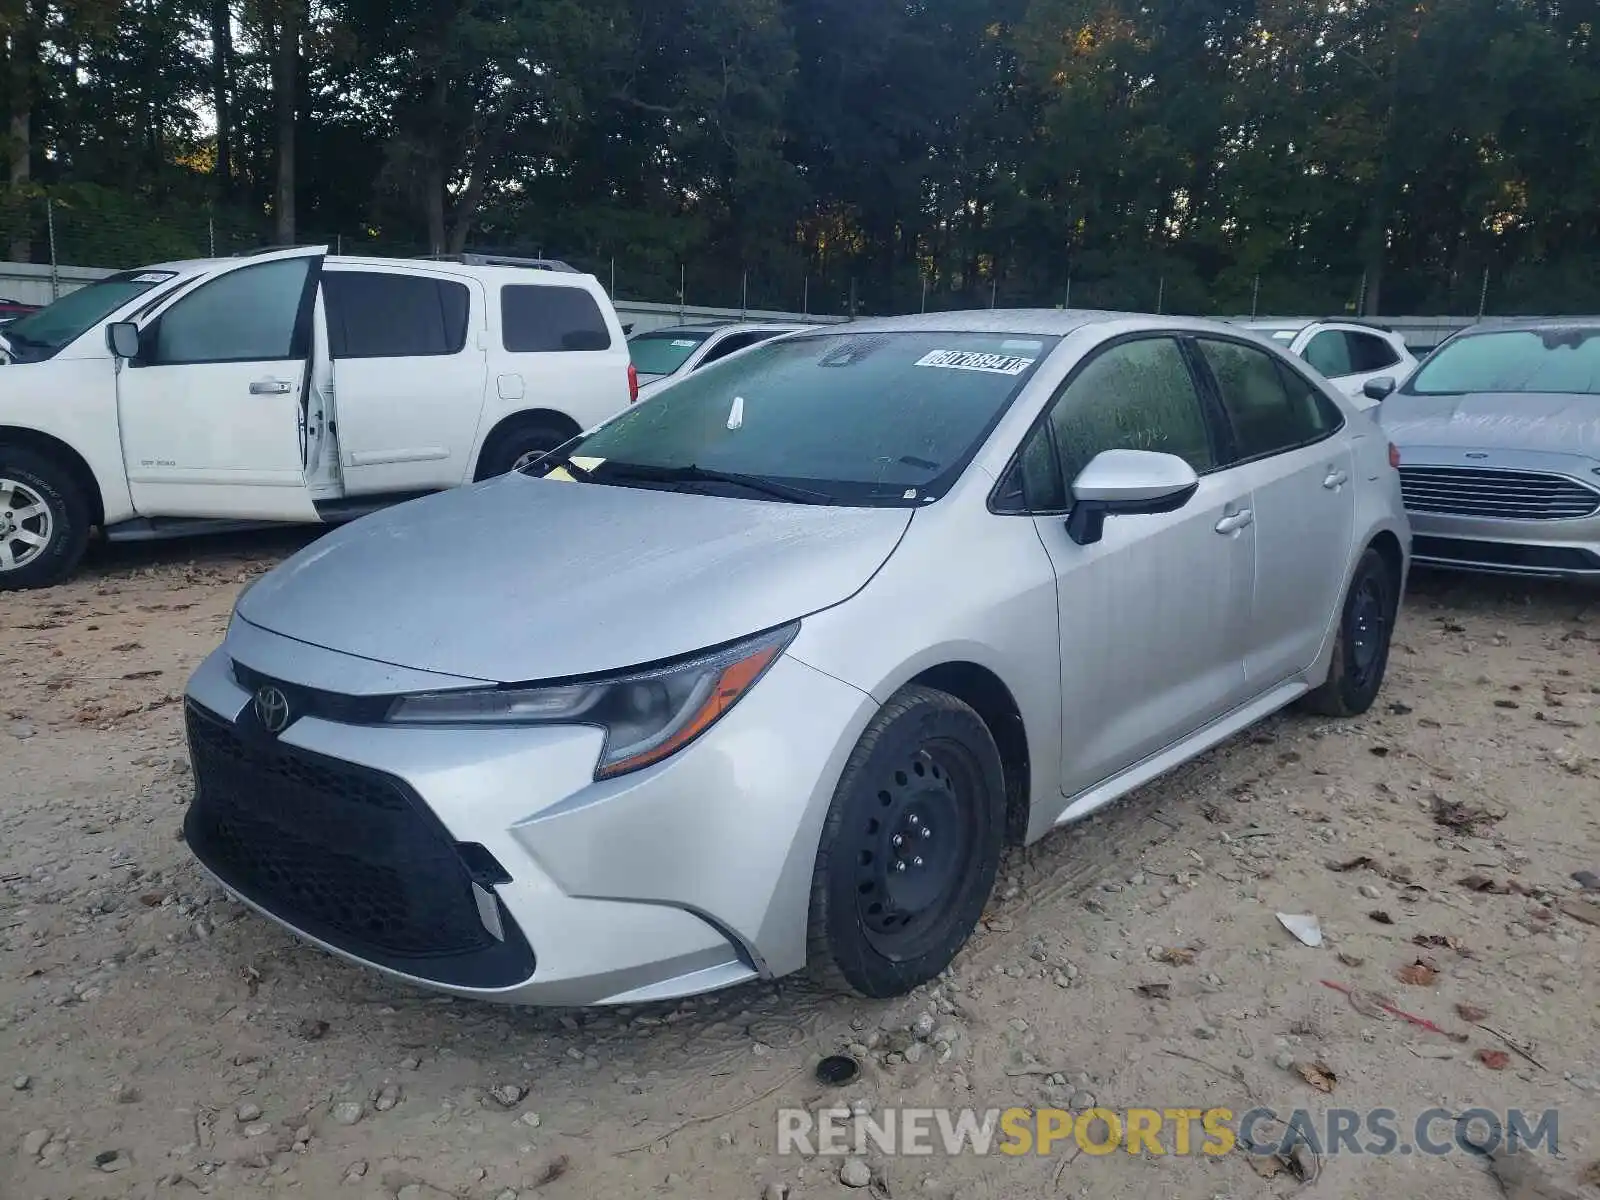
292	385
1347	353
663	355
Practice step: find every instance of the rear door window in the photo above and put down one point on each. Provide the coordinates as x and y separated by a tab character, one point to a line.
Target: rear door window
541	319
374	314
1369	352
1270	407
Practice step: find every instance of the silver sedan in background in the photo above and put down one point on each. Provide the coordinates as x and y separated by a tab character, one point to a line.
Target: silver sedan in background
765	673
1499	437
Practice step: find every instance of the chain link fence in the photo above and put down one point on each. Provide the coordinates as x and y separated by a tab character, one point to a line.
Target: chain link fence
72	228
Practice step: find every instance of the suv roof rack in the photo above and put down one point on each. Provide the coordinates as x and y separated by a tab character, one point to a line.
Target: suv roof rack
505	260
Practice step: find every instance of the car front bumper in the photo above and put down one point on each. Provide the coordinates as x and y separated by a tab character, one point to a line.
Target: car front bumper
1476	483
487	862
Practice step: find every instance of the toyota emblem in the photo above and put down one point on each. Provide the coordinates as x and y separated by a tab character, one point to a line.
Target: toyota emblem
272	709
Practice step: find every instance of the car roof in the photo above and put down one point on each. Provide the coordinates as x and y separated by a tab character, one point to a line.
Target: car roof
710	327
1497	324
1044	322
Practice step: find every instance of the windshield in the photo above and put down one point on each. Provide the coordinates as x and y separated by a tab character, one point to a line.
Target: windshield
1514	360
853	418
41	334
662	353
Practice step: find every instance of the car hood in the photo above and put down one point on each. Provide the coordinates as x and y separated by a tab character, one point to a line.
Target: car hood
529	579
1561	423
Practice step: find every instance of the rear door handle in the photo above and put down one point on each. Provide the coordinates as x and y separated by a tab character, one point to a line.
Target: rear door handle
1336	479
270	387
1234	522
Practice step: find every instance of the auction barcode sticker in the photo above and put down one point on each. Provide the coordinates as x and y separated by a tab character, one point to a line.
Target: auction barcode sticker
971	360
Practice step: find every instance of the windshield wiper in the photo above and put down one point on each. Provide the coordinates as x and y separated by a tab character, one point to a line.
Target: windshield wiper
694	474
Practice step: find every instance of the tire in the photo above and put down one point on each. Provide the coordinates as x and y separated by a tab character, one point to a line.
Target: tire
1361	649
925	768
56	509
517	441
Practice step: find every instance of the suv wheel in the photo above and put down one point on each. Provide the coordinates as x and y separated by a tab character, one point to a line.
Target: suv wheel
44	520
910	847
519	444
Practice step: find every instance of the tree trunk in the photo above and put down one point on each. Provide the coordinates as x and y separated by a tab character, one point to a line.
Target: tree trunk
221	71
285	69
24	61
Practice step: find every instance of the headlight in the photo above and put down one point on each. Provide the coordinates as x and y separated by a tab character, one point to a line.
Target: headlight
647	715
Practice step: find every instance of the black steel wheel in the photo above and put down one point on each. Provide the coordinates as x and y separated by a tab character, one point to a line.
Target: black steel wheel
910	847
1361	650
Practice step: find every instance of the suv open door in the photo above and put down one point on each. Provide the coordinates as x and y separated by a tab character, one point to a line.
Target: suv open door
212	406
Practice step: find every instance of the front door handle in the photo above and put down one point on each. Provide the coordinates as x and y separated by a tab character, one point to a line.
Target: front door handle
270	387
1336	479
1236	521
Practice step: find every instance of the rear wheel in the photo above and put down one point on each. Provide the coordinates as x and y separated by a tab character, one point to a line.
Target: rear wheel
910	847
519	444
1361	650
44	520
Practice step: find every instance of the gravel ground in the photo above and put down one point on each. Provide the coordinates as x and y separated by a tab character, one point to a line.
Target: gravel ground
157	1039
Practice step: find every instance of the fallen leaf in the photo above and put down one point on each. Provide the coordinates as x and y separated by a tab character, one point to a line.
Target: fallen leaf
1317	1075
1482	883
1586	911
1418	974
1379	751
1268	1166
126	648
1354	864
1177	956
1155	991
312	1030
1471	1012
1462	818
1438	940
1351	960
556	1168
1381	917
1495	1060
1506	704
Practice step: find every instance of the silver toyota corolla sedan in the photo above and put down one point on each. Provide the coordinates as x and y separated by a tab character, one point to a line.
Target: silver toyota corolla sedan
1499	436
765	671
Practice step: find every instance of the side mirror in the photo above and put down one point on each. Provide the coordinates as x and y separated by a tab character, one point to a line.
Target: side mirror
122	338
1378	389
1127	483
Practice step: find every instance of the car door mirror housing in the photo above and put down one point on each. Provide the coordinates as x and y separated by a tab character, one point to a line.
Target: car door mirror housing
122	339
1378	389
1127	483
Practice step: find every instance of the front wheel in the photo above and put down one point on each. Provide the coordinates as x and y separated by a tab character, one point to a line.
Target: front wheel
44	520
910	847
1361	649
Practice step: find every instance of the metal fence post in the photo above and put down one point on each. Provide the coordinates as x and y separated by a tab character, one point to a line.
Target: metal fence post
744	295
1483	296
924	293
805	296
1255	298
1161	294
613	276
211	236
55	267
1069	291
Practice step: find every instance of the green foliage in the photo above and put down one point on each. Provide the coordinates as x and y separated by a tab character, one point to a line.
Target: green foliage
1203	155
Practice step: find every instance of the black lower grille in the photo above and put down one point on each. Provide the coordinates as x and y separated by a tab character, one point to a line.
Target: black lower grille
348	855
1505	554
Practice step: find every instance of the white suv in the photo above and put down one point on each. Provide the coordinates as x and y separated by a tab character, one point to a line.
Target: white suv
1345	352
289	385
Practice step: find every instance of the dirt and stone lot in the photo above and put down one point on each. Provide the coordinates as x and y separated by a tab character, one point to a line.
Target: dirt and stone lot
158	1040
